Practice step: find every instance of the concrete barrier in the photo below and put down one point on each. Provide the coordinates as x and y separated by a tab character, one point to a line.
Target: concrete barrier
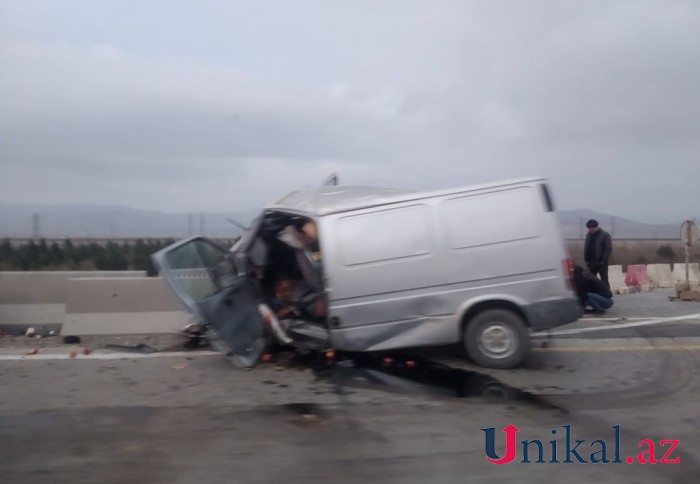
679	272
617	280
39	297
660	275
121	306
637	277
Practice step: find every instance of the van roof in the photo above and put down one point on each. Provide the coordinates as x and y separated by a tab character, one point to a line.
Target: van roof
334	199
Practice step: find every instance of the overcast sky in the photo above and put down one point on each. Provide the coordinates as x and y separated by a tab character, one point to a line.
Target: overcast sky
179	105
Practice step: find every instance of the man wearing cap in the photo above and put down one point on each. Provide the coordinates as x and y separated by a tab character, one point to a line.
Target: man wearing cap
597	250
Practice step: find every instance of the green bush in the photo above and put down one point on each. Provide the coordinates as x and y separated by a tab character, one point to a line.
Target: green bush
666	252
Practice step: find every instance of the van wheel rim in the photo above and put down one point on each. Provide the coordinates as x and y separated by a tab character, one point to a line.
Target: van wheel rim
497	340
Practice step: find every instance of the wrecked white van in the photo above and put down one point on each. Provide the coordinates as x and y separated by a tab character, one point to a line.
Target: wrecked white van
366	269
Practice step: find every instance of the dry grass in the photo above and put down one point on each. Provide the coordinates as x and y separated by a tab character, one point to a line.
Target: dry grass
626	252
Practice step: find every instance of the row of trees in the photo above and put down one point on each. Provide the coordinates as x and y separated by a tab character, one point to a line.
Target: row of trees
112	256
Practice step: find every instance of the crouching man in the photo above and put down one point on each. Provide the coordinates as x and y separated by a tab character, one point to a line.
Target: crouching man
592	291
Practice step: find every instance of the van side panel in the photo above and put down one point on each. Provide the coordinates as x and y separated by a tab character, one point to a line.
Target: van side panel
404	274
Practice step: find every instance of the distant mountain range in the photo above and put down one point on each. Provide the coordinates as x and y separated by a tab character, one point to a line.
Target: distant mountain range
573	226
82	220
114	221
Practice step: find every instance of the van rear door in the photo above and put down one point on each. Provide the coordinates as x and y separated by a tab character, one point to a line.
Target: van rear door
205	279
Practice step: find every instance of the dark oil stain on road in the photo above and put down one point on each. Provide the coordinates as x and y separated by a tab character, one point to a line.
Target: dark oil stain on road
401	373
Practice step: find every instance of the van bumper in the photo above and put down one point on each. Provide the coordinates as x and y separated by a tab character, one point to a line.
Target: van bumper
550	314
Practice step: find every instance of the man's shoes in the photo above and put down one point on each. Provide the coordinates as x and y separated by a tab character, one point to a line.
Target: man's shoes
593	311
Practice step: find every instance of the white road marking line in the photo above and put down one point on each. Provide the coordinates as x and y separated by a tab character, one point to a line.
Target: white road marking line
106	356
172	354
612	318
635	324
605	349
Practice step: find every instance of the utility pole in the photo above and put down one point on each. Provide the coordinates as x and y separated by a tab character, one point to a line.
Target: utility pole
580	227
190	222
612	227
201	224
35	226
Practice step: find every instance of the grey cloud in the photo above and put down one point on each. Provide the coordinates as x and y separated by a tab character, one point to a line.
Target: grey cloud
234	104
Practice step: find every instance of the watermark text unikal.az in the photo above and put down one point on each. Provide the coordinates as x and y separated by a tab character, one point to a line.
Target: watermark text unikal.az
563	448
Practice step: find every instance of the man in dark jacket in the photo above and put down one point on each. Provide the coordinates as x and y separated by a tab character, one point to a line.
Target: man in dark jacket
597	250
591	291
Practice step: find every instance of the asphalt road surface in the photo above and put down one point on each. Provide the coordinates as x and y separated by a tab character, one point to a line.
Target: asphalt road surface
184	417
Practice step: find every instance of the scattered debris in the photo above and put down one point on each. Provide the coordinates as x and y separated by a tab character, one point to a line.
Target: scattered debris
87	351
33	351
180	366
71	340
195	336
192	328
689	296
309	414
73	354
137	348
195	342
39	332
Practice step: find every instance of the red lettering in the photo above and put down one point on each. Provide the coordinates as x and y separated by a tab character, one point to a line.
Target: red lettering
511	446
674	444
651	450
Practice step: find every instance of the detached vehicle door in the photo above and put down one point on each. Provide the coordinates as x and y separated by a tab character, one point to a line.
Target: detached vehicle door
204	277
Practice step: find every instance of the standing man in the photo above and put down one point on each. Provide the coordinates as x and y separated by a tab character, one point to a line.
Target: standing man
597	250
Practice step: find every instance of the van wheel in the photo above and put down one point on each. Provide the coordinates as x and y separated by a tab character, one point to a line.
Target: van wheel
497	338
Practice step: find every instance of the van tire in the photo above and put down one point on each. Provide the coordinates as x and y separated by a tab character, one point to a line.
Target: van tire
497	338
